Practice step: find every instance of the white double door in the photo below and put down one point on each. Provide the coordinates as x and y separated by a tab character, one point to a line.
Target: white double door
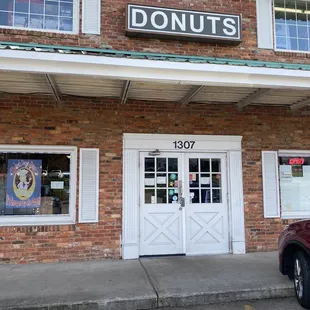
183	204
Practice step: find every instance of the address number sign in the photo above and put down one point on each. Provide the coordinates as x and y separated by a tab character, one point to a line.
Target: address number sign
187	145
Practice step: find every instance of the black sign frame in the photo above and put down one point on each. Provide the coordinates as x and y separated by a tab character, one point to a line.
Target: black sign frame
149	33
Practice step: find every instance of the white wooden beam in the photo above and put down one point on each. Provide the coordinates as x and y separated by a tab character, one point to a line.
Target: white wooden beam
125	91
153	70
300	104
254	96
191	94
53	86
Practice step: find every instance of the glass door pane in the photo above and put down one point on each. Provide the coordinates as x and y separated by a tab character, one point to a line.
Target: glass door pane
161	180
205	180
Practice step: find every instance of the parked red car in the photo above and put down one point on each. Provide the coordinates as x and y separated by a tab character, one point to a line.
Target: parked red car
294	258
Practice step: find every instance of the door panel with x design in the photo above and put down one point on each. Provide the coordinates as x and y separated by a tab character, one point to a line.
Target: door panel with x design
206	207
161	219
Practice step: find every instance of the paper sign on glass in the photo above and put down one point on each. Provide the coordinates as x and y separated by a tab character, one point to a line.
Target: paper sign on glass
205	180
161	180
23	188
57	185
286	174
149	182
192	177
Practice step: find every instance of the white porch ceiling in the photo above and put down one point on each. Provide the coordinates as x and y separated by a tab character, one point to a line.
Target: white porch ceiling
87	86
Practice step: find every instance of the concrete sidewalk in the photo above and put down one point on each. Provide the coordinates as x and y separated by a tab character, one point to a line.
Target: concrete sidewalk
145	284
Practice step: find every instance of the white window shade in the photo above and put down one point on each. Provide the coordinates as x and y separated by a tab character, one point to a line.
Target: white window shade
89	186
270	184
91	16
264	15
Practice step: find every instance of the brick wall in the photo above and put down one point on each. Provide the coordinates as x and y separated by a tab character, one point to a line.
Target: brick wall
100	123
113	33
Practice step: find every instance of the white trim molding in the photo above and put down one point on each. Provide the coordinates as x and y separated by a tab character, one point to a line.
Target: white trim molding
61	219
135	143
235	183
148	142
153	70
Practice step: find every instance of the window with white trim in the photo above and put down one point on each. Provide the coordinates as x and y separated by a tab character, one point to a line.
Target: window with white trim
44	15
292	25
37	185
294	174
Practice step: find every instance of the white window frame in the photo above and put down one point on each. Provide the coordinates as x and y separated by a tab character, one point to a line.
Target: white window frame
292	215
275	37
75	28
37	220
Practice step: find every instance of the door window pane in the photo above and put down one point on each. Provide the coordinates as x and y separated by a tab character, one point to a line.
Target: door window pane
173	180
194	196
194	180
205	180
205	187
160	185
205	196
173	164
193	165
216	180
216	165
205	165
216	196
173	195
149	164
161	180
149	196
149	180
161	196
161	164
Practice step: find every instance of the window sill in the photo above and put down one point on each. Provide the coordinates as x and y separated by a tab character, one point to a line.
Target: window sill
47	31
295	216
36	220
291	51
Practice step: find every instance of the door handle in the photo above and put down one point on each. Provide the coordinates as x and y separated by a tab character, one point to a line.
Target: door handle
182	202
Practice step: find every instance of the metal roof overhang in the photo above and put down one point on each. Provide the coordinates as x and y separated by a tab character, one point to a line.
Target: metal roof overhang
57	71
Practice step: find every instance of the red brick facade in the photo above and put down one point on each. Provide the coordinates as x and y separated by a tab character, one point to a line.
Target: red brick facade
113	33
101	123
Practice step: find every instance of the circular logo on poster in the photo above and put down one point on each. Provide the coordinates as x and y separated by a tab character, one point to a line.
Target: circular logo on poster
24	183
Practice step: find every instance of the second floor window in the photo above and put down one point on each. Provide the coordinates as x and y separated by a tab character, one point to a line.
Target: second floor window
292	25
48	15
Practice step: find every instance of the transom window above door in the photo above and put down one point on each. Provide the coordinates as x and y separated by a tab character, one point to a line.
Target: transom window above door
44	15
292	25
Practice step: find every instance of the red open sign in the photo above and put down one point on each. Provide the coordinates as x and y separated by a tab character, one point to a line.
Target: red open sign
296	161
